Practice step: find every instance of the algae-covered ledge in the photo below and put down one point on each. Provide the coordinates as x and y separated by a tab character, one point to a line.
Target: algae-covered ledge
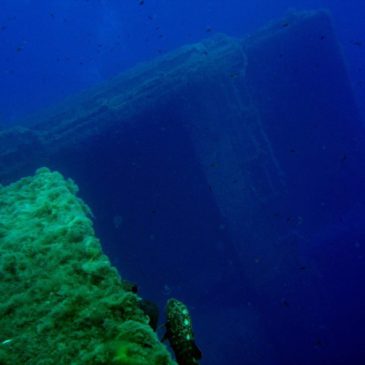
61	300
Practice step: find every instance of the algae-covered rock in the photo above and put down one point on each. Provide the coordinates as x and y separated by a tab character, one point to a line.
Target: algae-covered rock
61	300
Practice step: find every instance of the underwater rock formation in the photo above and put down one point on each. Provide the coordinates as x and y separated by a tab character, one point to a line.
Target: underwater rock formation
61	300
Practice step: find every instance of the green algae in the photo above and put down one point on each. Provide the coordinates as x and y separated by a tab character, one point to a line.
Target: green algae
61	300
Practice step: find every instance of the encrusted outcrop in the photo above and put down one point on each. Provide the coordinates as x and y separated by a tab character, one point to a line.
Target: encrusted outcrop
62	302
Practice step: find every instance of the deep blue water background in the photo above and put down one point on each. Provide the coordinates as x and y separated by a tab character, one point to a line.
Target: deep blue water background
51	49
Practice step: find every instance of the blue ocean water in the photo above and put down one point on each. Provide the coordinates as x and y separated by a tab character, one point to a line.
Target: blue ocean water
294	299
53	48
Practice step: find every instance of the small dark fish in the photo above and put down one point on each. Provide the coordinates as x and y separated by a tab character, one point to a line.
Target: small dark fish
151	310
318	343
129	286
233	75
179	332
284	303
344	157
357	43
